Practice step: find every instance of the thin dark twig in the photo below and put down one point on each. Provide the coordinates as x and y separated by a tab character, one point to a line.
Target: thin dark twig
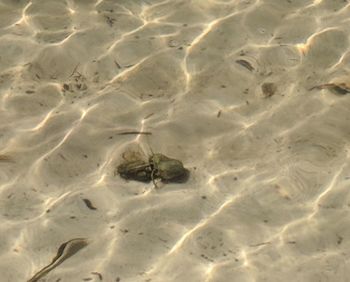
134	132
75	69
117	64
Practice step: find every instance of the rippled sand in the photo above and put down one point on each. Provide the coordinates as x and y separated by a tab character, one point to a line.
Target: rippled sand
228	87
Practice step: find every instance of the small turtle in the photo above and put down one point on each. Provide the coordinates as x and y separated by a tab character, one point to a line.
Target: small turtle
135	170
167	169
158	166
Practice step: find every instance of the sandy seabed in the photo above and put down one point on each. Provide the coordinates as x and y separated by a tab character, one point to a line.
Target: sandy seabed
251	95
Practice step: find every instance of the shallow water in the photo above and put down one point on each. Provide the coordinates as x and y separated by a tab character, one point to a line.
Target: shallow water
223	86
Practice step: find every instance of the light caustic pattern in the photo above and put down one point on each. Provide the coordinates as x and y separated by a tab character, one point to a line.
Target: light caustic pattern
249	94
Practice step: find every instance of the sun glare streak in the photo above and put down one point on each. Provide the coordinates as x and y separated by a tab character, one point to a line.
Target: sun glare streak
146	8
142	129
326	191
4	98
52	201
109	250
8	184
23	19
98	2
122	38
312	5
209	271
42	123
130	13
304	48
245	258
65	137
128	70
84	112
247	124
204	33
302	122
340	61
202	223
65	39
47	117
71	11
101	180
187	74
188	78
145	22
179	244
208	28
279	235
211	179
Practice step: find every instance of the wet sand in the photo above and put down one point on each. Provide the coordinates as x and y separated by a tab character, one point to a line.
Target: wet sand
252	97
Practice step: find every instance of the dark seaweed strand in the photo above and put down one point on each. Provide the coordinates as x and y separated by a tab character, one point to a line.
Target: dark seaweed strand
245	64
134	132
59	255
98	274
340	90
89	204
